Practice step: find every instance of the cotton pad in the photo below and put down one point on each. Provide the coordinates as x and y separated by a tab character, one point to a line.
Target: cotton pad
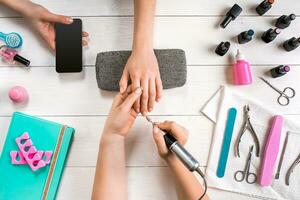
110	65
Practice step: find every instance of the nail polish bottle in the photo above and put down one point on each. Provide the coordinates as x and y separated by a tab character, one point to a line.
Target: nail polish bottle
291	44
270	35
11	55
241	70
18	94
284	21
231	15
245	36
222	48
280	70
264	6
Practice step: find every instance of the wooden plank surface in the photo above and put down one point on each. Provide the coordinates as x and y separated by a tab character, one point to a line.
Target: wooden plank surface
198	36
77	94
74	99
165	7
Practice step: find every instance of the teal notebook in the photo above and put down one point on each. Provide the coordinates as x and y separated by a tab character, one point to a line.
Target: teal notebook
19	182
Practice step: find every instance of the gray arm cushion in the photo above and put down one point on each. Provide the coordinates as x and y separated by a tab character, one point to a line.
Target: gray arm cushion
110	65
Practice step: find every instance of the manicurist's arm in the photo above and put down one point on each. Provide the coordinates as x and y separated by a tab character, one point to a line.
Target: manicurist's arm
41	19
187	185
110	178
142	67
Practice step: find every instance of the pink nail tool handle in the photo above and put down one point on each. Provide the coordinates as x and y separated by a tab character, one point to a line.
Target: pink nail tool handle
271	151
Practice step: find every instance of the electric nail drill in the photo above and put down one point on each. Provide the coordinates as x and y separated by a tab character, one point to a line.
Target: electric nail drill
184	156
270	35
284	21
264	6
231	15
222	48
245	36
280	71
291	44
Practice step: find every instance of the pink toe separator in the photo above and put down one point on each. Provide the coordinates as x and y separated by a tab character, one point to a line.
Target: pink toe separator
28	154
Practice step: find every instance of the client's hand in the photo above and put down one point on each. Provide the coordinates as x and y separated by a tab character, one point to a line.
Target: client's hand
122	114
142	69
43	21
179	132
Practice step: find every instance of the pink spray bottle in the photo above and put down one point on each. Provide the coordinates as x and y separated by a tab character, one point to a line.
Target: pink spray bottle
241	70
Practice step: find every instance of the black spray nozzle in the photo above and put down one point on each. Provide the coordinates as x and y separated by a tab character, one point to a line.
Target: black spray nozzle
169	139
231	15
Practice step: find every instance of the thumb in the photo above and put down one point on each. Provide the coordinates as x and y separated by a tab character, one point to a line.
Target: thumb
51	17
124	81
129	101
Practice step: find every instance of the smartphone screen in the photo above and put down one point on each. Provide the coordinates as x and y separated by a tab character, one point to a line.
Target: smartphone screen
69	47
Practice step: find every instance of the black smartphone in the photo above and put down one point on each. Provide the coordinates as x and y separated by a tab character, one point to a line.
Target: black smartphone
68	45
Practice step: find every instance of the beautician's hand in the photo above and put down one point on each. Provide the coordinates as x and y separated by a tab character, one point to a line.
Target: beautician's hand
122	114
142	69
179	132
43	21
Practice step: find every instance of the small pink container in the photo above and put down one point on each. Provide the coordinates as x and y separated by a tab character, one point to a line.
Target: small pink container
241	71
18	94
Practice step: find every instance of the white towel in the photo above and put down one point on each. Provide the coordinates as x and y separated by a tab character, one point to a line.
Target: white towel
216	110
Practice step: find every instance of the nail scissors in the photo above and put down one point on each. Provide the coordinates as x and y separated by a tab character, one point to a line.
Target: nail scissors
250	177
284	96
246	126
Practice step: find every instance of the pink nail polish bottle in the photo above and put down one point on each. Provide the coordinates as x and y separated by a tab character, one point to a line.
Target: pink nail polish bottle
18	94
11	55
241	70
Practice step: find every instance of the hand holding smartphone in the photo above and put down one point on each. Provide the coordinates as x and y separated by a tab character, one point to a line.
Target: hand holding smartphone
68	47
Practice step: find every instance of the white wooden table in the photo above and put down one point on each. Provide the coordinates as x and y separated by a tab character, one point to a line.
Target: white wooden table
74	99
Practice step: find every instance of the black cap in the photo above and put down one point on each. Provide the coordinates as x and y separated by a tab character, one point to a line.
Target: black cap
22	60
235	11
169	139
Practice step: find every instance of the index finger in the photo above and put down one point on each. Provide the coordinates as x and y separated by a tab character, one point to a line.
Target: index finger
179	132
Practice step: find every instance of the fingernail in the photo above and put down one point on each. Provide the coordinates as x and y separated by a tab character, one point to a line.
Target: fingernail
144	113
138	110
69	20
138	91
150	109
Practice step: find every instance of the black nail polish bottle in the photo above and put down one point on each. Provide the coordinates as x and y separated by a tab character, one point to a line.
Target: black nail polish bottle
291	44
264	6
270	35
280	70
284	21
245	36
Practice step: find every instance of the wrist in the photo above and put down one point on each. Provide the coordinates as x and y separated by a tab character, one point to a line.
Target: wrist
112	138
